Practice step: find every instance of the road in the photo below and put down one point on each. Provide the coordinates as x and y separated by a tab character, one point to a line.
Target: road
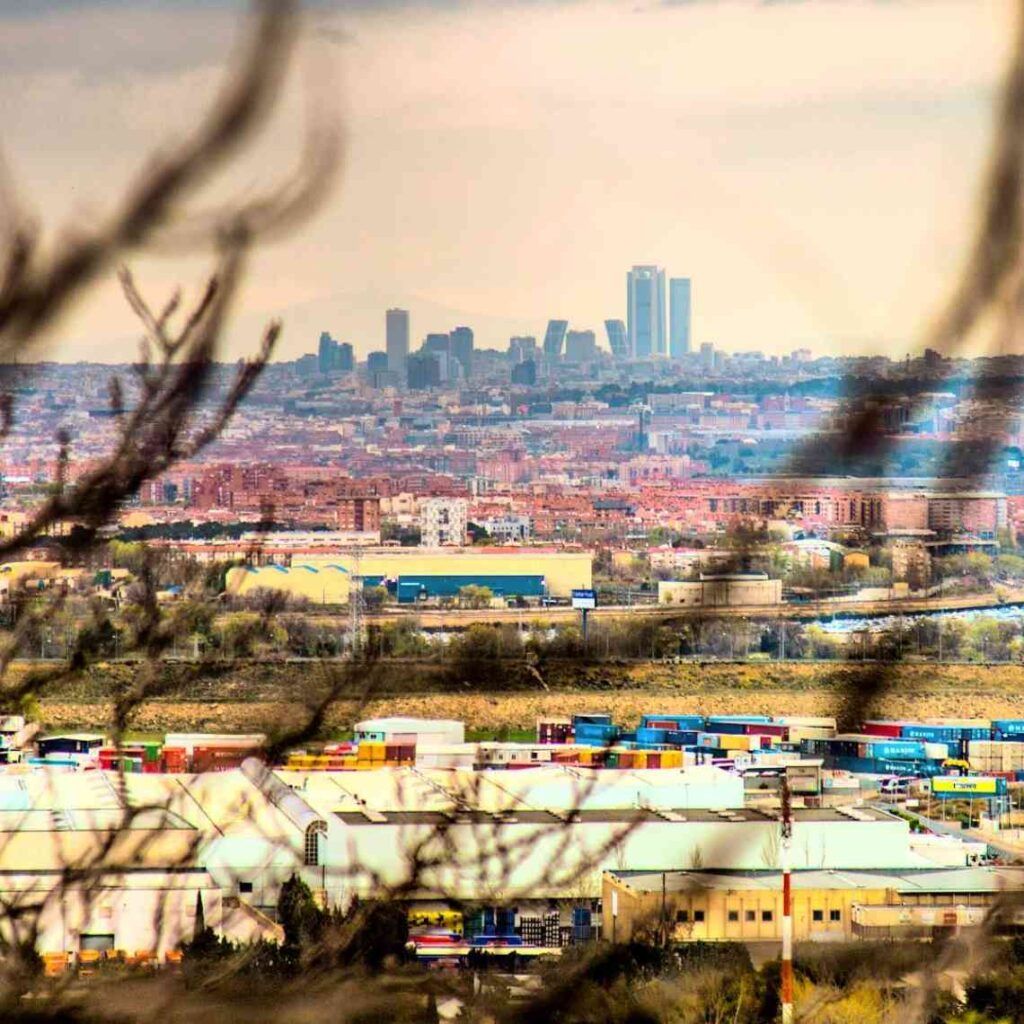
953	828
459	618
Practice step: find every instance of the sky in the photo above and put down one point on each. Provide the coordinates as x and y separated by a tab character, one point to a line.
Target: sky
812	165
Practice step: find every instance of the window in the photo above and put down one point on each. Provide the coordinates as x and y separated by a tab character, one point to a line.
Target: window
698	916
767	915
682	916
316	835
244	887
749	915
817	915
835	915
734	915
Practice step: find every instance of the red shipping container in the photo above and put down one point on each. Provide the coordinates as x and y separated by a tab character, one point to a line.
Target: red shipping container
893	730
152	767
765	729
653	759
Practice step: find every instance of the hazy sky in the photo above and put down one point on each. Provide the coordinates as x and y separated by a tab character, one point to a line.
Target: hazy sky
811	165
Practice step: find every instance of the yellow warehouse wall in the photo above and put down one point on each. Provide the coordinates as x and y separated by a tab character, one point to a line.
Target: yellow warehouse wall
564	571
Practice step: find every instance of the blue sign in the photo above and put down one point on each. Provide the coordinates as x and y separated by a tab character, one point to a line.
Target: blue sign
585	599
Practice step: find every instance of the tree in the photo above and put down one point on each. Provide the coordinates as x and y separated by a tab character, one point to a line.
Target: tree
473	596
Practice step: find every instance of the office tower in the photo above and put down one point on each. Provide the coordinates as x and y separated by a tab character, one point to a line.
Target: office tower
679	317
437	343
327	354
396	322
580	347
553	338
377	361
461	346
707	355
525	373
345	358
645	309
618	342
423	370
522	348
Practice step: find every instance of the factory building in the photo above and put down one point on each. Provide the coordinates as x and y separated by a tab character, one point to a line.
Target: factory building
230	839
527	572
746	906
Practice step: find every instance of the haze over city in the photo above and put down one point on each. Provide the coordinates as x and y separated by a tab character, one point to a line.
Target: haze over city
811	166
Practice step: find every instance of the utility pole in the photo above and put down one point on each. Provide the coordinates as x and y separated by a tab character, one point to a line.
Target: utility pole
355	605
786	993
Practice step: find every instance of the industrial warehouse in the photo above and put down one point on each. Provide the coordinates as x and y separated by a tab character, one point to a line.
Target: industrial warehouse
415	574
490	846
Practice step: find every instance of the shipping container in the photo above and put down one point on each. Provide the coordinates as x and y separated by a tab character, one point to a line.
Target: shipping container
686	722
892	729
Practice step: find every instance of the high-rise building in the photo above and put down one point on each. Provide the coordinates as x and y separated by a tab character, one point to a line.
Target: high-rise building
396	323
645	311
461	346
345	359
707	355
679	317
423	370
522	348
580	347
377	361
618	342
437	343
327	353
553	338
525	373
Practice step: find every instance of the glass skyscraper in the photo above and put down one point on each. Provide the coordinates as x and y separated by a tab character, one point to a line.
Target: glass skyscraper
679	317
617	340
554	336
397	340
645	306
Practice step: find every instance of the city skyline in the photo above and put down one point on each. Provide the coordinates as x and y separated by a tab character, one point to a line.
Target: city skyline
775	175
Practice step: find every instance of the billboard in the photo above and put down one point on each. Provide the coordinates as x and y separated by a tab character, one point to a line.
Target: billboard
971	787
585	599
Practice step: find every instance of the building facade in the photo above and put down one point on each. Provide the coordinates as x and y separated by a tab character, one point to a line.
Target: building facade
645	306
396	322
443	522
679	317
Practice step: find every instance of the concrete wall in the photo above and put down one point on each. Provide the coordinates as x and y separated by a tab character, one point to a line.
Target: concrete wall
719	593
742	915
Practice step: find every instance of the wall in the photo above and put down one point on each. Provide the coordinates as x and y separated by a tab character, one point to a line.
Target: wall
740	914
716	593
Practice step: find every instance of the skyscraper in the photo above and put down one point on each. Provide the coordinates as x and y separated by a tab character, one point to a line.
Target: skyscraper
617	340
397	328
553	338
327	354
462	348
346	358
679	317
645	307
521	348
437	343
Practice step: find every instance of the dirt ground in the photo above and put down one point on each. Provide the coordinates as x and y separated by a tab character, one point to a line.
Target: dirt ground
503	710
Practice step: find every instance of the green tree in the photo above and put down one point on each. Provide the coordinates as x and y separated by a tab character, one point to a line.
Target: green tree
473	596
